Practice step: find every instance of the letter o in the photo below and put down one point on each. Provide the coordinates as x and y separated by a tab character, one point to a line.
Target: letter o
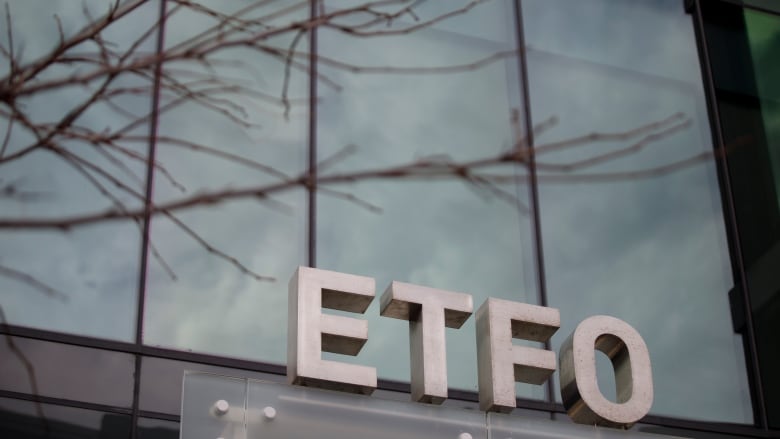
630	358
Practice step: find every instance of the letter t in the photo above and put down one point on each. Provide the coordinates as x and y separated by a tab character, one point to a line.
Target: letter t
428	311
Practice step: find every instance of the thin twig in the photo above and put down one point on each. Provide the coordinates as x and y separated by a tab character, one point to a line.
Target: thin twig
351	198
181	143
424	169
336	157
7	137
215	251
33	282
29	369
287	66
10	35
601	158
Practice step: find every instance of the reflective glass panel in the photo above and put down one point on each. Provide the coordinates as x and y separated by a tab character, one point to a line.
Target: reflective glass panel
301	412
210	408
763	34
161	382
631	215
513	426
216	406
233	121
406	98
69	151
213	406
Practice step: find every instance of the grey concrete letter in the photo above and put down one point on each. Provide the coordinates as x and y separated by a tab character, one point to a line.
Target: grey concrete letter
500	364
310	331
428	311
581	396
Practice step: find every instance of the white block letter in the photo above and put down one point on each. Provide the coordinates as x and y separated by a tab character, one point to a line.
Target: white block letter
310	332
633	376
428	311
500	364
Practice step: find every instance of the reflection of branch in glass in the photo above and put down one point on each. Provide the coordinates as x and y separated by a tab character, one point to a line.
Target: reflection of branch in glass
32	281
194	72
28	366
425	169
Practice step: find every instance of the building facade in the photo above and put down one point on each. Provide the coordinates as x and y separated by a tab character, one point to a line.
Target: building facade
167	165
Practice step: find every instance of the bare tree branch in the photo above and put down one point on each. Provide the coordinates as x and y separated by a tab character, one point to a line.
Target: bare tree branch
33	282
189	74
29	369
425	169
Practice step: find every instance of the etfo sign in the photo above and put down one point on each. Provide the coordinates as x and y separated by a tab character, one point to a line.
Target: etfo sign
500	363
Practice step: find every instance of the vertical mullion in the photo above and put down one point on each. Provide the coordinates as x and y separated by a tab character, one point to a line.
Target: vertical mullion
533	186
148	204
311	187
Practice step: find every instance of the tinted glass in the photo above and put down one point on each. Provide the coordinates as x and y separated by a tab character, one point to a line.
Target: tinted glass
65	371
770	5
399	108
71	151
157	429
743	60
763	33
223	127
632	222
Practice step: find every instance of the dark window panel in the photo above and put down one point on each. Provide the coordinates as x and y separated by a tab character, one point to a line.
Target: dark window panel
157	429
744	49
621	239
763	32
25	419
67	372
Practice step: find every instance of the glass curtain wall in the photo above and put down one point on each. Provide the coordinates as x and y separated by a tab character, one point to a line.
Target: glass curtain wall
631	216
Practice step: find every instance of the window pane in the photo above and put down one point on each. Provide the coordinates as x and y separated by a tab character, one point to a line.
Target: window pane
744	63
636	233
223	128
66	371
450	233
22	419
762	32
764	280
66	153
